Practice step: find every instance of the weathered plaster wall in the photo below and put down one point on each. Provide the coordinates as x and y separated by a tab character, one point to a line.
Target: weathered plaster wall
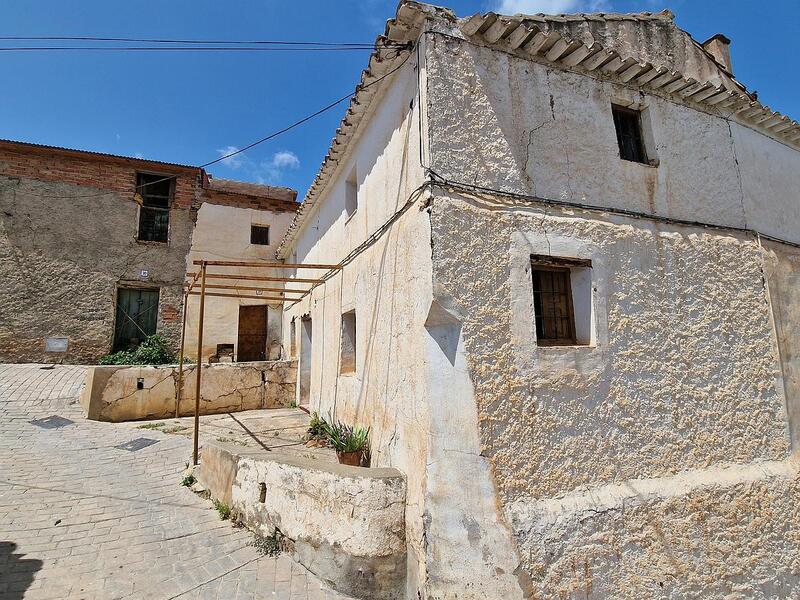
112	394
223	233
388	285
541	131
682	382
63	258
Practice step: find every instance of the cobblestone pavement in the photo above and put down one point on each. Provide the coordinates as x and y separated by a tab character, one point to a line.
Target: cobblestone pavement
81	517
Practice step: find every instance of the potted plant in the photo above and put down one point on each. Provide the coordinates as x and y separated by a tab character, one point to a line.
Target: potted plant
349	443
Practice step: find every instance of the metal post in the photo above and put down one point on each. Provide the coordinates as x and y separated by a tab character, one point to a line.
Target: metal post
180	360
199	365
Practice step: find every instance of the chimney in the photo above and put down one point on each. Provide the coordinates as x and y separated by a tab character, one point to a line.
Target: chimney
719	47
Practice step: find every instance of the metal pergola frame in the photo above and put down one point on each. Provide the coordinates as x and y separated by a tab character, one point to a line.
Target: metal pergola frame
232	290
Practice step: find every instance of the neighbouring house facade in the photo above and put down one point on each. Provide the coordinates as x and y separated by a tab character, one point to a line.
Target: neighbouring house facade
569	307
94	248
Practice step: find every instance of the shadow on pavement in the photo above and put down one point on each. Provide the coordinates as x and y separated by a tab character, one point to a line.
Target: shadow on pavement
16	573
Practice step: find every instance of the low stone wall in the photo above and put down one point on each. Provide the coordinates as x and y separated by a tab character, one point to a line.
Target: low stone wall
344	524
120	393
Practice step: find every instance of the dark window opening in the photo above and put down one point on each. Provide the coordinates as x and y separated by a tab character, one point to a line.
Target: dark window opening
628	124
259	234
347	362
552	305
156	192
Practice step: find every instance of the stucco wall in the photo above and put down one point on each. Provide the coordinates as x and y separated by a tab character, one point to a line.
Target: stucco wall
684	378
388	285
540	131
223	233
113	393
63	256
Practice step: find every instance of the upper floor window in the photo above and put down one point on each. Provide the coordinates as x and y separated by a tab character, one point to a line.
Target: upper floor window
347	359
628	124
259	234
156	192
351	193
561	300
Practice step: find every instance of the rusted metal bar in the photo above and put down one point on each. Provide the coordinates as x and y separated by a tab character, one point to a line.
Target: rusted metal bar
193	281
272	298
234	263
260	278
199	365
180	360
224	286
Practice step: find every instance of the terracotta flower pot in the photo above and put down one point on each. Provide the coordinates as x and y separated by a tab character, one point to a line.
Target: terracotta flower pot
349	458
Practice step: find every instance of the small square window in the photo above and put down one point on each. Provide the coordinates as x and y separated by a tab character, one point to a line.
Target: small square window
347	361
554	303
628	124
259	234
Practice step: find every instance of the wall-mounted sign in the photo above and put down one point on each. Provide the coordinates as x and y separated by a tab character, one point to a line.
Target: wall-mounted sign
144	274
56	344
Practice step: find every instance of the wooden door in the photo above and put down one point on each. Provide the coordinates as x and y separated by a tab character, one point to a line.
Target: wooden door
136	317
252	333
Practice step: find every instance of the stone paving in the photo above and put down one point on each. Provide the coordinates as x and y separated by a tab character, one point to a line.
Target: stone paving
82	518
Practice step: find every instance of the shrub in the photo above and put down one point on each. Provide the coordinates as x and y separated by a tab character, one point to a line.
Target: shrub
318	428
223	509
344	438
152	351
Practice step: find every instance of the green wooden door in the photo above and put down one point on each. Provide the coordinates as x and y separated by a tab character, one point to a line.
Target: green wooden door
137	315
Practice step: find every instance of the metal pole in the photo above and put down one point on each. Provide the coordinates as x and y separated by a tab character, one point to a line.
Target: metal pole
199	365
180	360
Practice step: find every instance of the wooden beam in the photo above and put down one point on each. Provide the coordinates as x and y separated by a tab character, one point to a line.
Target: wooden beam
271	265
270	298
259	278
251	288
191	284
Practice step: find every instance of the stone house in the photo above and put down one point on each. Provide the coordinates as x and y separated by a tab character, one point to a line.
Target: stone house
94	248
569	308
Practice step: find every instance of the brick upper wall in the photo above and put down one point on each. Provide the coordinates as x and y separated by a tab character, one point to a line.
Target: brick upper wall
113	174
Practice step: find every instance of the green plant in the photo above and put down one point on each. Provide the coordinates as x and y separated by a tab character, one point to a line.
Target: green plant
154	350
293	404
344	438
223	509
268	545
188	480
150	426
318	428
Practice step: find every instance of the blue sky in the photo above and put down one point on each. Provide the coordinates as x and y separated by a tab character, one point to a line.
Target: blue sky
189	107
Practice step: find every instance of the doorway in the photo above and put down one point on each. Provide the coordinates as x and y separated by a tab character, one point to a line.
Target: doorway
305	360
136	317
252	343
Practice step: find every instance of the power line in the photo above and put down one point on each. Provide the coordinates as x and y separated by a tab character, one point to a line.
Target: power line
184	41
273	135
192	48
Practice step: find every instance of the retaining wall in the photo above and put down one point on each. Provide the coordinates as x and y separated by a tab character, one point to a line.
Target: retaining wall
128	393
344	524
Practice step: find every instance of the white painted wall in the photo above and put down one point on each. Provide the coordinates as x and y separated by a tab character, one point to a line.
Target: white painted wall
223	233
388	285
521	459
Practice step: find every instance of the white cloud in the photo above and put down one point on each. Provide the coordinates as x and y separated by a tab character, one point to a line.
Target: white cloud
512	7
234	162
285	159
270	170
273	169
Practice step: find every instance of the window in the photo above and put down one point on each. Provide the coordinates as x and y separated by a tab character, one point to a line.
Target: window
156	193
293	338
347	362
351	194
259	234
554	304
628	124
